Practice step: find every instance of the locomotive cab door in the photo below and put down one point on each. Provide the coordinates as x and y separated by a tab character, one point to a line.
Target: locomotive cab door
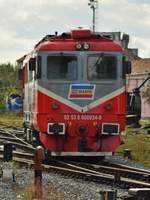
29	90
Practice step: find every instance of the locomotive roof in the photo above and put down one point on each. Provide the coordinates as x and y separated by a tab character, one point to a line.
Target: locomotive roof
67	41
103	41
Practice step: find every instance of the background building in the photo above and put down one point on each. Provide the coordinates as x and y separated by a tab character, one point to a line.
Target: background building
140	71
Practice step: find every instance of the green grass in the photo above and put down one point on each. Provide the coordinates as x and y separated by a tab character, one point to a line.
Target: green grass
13	119
145	122
138	141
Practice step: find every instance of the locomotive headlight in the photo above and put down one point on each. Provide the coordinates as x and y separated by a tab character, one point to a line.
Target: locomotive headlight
110	129
56	128
86	46
78	46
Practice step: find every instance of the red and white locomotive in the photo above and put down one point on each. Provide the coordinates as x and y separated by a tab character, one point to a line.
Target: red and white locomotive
74	94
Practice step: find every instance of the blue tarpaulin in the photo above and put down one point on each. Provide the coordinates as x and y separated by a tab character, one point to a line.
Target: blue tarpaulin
14	102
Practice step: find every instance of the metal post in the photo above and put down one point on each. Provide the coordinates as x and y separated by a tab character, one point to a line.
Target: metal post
38	160
93	5
8	152
127	153
108	195
8	168
93	18
117	178
148	131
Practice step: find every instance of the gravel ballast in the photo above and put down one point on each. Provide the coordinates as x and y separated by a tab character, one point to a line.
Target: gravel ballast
56	186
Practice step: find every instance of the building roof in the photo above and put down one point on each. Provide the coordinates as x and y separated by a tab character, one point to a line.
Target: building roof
131	54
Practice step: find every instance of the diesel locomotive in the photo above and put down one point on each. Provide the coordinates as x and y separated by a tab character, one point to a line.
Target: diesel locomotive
74	93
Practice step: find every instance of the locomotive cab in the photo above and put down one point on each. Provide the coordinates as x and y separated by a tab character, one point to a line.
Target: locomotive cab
74	94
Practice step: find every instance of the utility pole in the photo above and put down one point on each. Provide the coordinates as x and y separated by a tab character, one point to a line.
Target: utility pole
94	6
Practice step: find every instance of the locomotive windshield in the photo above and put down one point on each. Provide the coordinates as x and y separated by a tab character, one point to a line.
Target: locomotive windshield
102	67
62	67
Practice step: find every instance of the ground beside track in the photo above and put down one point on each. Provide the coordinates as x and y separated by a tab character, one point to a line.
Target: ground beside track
138	141
12	119
55	187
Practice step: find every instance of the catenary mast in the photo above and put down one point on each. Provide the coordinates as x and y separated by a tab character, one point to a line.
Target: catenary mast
94	6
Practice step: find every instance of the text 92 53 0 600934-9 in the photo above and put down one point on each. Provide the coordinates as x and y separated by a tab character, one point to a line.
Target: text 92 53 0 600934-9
82	117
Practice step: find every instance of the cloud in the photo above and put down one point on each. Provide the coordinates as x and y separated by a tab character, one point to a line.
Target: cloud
22	23
13	47
143	44
128	16
124	16
139	1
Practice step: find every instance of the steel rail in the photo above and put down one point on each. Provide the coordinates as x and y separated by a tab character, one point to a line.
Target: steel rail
122	166
6	136
80	172
123	172
21	155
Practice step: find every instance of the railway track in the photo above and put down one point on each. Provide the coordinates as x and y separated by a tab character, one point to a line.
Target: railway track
109	173
125	180
11	136
79	171
120	171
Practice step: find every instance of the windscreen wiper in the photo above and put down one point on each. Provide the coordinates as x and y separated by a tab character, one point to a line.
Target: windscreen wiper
99	59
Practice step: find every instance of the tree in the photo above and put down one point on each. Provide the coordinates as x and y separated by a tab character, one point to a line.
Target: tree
9	82
8	75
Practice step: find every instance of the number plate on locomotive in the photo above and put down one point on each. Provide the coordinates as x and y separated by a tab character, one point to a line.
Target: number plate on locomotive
82	117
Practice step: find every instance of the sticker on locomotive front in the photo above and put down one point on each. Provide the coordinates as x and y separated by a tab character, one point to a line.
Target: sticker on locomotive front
82	117
81	91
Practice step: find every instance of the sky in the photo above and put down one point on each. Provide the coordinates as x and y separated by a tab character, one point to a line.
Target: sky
24	23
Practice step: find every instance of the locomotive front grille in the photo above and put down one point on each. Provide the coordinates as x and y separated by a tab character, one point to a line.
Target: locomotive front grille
56	128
